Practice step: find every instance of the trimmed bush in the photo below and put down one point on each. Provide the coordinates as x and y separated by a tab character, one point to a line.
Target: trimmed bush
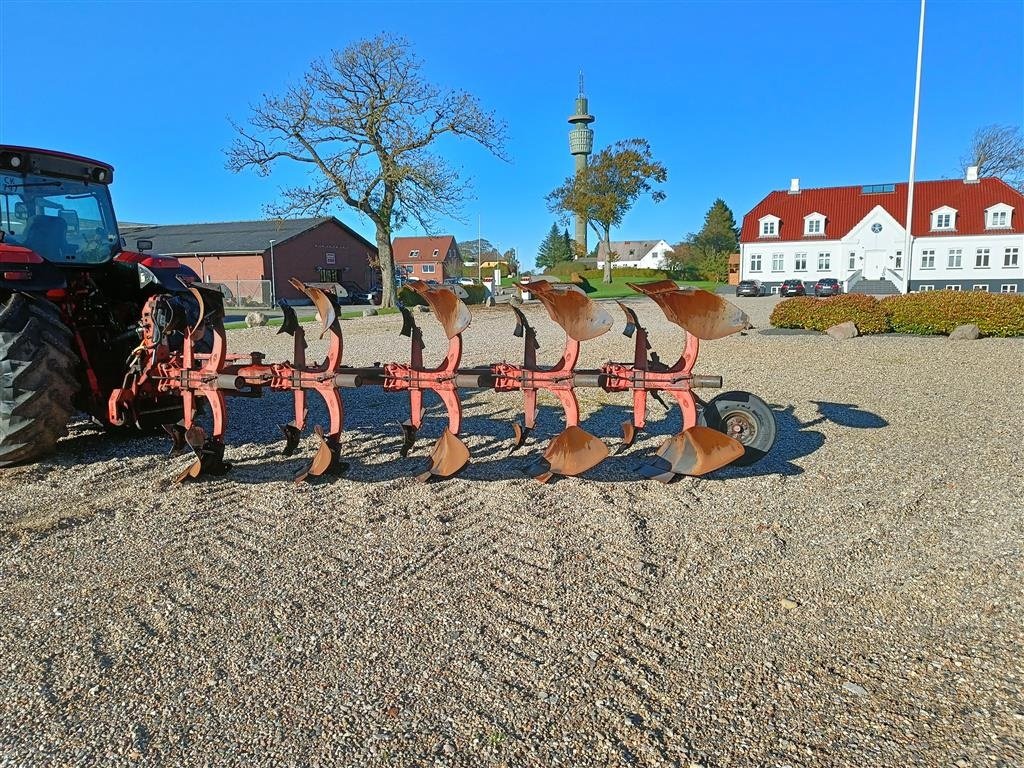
564	269
409	298
628	272
477	294
821	314
939	312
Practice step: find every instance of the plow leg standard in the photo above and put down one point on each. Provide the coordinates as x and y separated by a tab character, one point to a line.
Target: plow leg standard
184	352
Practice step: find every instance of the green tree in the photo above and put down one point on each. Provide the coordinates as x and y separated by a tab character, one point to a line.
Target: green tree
366	124
708	251
605	190
469	248
553	248
512	259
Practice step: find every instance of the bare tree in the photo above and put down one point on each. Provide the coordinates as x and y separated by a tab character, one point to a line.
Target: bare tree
998	150
366	123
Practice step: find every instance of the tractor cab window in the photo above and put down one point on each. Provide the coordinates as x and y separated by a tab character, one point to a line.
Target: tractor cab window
63	220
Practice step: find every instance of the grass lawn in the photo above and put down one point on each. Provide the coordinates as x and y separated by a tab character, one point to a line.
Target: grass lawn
617	288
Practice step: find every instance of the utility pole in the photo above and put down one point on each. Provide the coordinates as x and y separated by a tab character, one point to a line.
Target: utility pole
273	280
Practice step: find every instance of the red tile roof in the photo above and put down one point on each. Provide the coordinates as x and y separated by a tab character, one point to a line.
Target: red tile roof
403	246
845	207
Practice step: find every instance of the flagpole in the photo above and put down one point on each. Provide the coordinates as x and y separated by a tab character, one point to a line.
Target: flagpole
908	243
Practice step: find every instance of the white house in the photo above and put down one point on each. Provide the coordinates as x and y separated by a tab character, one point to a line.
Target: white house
967	234
648	254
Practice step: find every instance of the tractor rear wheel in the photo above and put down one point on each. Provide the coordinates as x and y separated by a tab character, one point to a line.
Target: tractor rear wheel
38	380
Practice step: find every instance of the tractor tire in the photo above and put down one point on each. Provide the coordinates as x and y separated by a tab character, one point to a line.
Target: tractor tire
38	378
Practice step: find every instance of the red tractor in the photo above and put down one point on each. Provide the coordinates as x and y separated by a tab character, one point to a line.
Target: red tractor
70	301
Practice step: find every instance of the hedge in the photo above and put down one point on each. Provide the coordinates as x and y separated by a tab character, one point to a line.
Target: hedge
563	269
934	312
927	313
821	314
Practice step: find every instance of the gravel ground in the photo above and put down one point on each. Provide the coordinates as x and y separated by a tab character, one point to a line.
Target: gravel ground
853	600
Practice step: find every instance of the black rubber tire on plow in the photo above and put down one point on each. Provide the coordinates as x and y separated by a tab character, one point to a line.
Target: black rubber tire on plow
745	417
38	378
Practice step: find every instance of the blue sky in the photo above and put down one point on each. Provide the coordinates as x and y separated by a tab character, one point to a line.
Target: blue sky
735	98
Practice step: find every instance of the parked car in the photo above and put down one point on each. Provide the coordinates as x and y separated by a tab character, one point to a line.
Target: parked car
356	293
828	286
793	288
749	288
468	281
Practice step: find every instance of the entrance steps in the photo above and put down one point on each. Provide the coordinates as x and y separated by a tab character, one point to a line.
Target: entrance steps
875	287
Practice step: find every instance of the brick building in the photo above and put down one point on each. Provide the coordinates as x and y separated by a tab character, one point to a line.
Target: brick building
233	252
428	258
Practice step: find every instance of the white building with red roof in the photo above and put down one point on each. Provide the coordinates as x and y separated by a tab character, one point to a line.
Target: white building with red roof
967	234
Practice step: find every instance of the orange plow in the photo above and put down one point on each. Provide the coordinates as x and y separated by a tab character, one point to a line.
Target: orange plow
184	352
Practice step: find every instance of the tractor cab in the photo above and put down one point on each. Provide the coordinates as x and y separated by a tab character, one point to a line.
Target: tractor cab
57	207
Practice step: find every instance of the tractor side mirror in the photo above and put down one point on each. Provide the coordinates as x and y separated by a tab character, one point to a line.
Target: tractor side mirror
143	245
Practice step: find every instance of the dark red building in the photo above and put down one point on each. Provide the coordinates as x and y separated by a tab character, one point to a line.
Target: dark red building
237	254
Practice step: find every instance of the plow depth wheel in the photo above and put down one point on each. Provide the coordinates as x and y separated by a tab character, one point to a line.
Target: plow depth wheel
746	418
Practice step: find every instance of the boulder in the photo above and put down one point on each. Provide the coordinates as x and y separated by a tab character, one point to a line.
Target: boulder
968	332
254	319
369	312
843	331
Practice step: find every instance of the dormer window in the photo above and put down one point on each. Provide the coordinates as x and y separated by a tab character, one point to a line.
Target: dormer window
998	216
814	224
414	254
944	218
769	226
436	251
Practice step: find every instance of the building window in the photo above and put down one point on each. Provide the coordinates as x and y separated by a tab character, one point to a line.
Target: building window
778	263
329	257
1010	256
925	288
1008	288
899	260
853	260
981	258
952	287
981	287
436	252
955	258
824	262
927	259
800	264
943	218
767	228
814	226
998	219
755	262
414	254
427	269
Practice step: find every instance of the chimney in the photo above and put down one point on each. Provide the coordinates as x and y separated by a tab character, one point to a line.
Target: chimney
794	186
972	175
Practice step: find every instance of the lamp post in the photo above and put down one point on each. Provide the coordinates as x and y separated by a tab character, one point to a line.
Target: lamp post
273	280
